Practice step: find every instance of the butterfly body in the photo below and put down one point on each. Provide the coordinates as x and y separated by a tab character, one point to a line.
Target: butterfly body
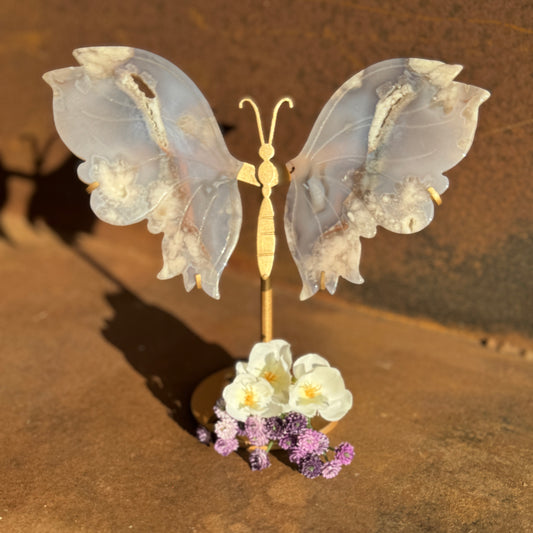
267	175
153	150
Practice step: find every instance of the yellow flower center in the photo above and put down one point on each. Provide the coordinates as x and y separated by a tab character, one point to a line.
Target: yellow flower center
310	390
249	397
270	376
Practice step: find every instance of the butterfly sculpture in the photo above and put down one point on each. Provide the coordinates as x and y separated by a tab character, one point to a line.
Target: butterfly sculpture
153	150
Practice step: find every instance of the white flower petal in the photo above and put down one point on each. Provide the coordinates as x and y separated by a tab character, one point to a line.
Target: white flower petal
330	380
338	408
248	395
240	368
277	349
306	363
309	410
321	391
272	361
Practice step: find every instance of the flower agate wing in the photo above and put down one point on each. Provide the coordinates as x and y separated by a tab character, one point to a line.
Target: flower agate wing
152	145
383	139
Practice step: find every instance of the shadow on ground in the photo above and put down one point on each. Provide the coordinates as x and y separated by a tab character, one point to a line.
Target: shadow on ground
171	358
58	199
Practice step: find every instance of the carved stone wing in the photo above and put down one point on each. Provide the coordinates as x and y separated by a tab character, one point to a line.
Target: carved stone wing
153	150
375	156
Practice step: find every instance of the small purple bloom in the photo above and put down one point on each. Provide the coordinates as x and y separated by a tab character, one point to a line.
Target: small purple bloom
254	428
311	466
294	422
331	468
296	455
312	441
203	434
220	408
241	432
287	441
344	453
259	459
226	427
226	446
274	427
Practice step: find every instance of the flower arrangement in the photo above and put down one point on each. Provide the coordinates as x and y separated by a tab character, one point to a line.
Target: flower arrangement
271	402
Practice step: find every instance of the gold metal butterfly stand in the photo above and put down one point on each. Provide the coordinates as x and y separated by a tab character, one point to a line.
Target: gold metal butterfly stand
267	178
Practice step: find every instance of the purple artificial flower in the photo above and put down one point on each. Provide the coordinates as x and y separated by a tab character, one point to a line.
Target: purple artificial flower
286	442
274	427
203	435
226	427
294	423
296	455
259	459
311	466
331	468
255	430
312	441
241	431
226	446
220	408
344	453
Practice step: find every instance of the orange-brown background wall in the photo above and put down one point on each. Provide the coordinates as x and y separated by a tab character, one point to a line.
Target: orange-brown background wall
470	268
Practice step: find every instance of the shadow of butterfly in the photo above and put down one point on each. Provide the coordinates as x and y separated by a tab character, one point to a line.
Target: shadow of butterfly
153	150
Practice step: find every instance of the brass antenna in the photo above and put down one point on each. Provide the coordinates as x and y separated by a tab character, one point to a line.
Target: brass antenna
287	99
257	116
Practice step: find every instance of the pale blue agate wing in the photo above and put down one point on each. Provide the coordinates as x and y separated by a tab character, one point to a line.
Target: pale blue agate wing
151	142
383	139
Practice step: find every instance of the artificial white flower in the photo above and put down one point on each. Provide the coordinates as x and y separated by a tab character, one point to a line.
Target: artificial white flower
306	363
272	362
320	390
249	395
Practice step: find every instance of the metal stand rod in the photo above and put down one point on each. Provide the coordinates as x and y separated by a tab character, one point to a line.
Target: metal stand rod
266	309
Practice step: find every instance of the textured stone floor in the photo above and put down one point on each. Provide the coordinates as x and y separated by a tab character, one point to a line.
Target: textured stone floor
99	360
